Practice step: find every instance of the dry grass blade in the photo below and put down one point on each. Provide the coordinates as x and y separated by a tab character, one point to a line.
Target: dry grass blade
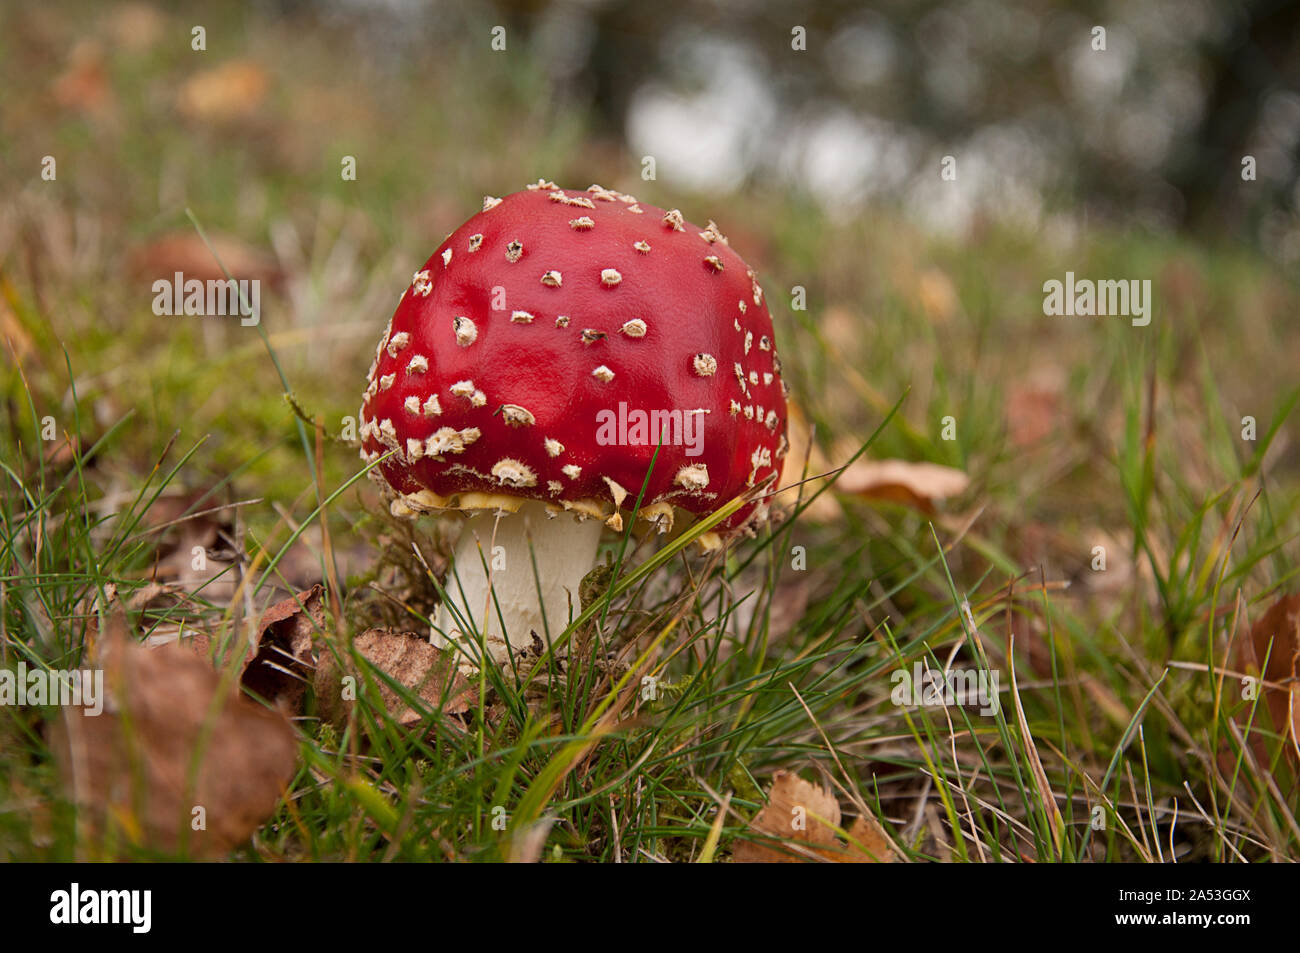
1054	819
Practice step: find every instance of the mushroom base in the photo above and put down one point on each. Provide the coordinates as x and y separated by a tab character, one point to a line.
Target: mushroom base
499	584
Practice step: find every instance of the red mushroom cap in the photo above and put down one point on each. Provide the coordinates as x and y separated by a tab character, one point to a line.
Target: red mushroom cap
544	346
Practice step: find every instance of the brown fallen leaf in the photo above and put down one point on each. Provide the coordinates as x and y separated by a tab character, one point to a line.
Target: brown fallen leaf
130	768
868	842
806	816
802	450
1033	408
186	252
194	551
900	481
83	85
233	90
1276	636
135	26
408	659
281	666
937	295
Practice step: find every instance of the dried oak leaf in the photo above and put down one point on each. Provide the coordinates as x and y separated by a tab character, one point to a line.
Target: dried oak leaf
900	481
132	768
409	660
805	816
1276	637
281	666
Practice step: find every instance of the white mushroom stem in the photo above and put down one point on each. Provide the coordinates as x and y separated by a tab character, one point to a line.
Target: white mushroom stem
499	583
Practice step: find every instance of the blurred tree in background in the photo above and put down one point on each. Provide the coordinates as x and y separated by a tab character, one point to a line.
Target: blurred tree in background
1151	129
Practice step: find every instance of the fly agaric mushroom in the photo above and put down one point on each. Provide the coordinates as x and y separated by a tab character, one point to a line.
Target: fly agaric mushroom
532	367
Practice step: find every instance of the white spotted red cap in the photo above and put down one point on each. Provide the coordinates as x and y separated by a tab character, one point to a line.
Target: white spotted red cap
565	326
